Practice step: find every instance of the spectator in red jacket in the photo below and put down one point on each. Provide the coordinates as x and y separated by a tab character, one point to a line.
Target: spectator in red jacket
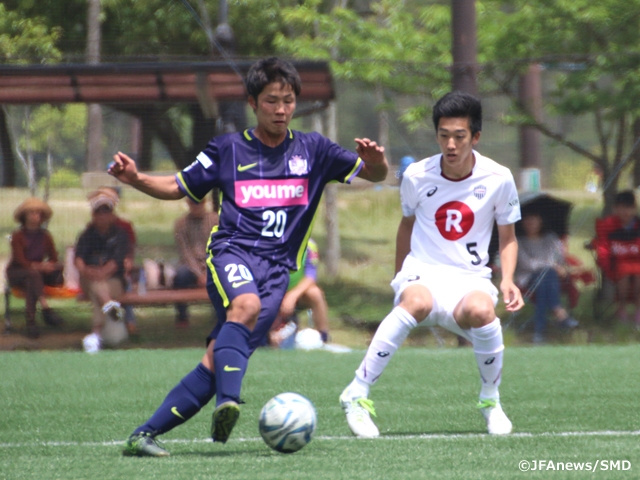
617	247
34	262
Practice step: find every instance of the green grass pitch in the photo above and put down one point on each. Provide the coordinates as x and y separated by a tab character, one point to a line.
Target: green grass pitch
65	415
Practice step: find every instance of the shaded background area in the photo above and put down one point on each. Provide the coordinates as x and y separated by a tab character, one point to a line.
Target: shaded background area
359	297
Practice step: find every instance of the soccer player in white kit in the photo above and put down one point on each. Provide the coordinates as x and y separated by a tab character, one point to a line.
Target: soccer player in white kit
449	204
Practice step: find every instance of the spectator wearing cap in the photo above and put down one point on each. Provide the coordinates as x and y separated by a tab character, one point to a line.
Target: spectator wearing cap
100	256
34	262
129	314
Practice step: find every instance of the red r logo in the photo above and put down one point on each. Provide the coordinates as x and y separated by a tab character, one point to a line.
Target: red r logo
454	220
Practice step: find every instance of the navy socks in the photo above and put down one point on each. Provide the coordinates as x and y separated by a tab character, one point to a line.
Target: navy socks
230	357
186	399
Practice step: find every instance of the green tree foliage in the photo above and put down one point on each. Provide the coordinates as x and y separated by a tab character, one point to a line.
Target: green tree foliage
26	40
60	129
158	28
403	49
594	48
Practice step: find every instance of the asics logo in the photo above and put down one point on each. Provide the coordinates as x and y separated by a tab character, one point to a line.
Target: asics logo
175	411
227	368
432	191
490	361
383	354
239	284
242	168
272	193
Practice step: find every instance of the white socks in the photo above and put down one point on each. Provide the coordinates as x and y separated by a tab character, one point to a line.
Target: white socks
488	348
390	335
393	331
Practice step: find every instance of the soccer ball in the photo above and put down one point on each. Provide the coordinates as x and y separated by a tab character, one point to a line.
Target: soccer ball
308	339
287	422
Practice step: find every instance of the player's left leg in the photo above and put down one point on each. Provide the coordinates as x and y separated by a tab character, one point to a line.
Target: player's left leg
252	304
475	315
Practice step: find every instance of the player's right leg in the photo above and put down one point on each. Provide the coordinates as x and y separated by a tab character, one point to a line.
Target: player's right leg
415	302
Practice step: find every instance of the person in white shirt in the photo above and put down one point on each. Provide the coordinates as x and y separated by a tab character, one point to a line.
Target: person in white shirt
449	204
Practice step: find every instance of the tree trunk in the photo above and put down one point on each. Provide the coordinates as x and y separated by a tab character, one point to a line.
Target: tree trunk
94	113
332	256
203	129
94	137
383	122
636	154
530	94
464	48
8	157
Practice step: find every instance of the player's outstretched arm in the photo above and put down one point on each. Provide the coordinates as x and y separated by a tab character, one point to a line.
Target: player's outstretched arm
375	163
162	187
508	259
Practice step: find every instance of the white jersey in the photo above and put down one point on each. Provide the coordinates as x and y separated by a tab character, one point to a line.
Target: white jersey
454	218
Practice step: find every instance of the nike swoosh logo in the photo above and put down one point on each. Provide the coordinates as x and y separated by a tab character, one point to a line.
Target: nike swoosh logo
242	168
227	368
239	284
175	411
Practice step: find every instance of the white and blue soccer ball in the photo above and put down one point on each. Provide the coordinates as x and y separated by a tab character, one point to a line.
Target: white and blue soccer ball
287	422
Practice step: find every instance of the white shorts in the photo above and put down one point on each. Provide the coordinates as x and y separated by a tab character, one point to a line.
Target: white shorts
447	286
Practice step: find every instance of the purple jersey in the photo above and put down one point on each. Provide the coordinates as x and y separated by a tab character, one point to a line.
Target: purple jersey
269	196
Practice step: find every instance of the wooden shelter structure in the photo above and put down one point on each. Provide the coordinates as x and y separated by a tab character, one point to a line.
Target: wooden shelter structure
147	91
120	83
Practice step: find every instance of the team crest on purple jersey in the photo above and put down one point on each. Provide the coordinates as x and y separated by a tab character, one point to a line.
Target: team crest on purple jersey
298	165
479	192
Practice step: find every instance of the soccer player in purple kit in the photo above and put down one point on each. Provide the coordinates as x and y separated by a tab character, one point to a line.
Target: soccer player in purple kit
271	180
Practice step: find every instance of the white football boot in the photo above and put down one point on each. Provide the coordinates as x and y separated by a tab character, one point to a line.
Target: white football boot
497	421
92	343
358	412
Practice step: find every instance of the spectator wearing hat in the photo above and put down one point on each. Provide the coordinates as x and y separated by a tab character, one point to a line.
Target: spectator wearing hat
191	232
100	256
34	261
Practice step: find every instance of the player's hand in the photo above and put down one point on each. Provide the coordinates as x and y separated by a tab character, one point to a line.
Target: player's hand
123	168
512	296
369	151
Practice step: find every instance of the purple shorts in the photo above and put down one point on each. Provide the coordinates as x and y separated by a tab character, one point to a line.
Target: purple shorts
233	271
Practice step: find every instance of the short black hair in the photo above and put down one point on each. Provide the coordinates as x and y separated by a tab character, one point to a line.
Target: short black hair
269	70
459	104
626	198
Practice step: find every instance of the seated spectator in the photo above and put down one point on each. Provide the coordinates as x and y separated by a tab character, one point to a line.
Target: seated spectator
540	270
100	255
304	293
129	315
617	246
192	232
34	262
